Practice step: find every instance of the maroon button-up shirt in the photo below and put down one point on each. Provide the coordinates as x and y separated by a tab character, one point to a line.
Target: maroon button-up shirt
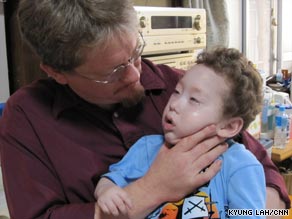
54	145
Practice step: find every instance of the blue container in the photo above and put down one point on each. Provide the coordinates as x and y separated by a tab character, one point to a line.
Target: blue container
1	108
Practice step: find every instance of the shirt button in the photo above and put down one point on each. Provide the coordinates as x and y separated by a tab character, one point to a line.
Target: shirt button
116	115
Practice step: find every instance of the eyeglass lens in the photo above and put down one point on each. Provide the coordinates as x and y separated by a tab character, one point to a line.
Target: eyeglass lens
118	72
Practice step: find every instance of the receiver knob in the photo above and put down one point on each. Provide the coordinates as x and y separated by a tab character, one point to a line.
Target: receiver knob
197	23
197	40
142	22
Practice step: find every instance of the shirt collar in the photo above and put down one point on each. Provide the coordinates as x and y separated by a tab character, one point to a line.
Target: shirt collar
65	98
151	77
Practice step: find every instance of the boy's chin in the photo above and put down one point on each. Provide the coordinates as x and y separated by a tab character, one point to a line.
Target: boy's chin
171	141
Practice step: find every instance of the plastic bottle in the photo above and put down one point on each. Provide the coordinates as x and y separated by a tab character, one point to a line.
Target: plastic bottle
264	77
271	119
264	114
288	110
281	124
268	116
279	76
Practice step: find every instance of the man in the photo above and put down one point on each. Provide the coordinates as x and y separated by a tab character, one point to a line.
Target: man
60	134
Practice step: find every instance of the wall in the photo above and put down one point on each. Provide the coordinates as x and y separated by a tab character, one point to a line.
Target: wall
4	86
235	21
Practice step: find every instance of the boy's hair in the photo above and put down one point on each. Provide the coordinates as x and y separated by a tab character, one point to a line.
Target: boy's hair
61	30
244	81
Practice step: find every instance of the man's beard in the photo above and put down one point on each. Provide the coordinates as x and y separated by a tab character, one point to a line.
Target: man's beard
137	95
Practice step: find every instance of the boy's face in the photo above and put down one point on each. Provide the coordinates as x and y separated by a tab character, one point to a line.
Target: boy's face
196	103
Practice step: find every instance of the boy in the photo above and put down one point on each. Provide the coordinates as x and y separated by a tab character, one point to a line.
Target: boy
224	89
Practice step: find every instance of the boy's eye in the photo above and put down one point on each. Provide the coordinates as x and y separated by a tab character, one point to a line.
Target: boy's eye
176	91
193	99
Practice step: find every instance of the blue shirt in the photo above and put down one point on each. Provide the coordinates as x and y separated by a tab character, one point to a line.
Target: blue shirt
240	184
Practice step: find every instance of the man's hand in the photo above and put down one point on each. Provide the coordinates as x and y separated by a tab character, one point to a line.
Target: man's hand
178	171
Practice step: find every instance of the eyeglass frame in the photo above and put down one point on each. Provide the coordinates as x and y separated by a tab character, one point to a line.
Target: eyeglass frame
121	68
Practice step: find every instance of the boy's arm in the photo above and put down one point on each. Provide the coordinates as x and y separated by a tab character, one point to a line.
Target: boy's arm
252	193
277	195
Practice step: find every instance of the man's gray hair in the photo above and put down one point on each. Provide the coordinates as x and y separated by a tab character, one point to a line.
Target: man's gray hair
60	30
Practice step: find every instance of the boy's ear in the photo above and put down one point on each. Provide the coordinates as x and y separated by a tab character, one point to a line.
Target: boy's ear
230	127
51	72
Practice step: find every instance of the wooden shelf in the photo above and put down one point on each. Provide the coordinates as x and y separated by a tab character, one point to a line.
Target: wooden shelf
279	155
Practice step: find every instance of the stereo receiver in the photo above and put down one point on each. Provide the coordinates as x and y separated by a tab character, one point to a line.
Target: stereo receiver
173	36
167	30
156	21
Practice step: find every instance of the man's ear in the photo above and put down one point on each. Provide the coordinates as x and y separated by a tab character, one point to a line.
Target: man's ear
51	72
230	127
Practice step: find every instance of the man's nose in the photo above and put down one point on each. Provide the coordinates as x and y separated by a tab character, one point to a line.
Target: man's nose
131	73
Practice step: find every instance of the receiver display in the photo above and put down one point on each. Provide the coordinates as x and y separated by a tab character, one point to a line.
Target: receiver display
171	22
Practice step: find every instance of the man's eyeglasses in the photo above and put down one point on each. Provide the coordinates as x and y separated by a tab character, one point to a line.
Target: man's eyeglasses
118	72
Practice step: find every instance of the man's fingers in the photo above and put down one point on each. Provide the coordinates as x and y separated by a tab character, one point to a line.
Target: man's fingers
207	158
206	145
191	141
208	174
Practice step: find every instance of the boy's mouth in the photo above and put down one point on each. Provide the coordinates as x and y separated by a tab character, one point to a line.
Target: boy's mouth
169	123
